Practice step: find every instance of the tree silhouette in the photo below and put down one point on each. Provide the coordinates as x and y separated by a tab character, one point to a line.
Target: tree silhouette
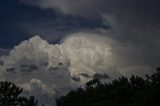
9	96
133	91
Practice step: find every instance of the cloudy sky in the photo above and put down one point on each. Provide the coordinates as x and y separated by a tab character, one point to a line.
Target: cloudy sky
130	22
82	38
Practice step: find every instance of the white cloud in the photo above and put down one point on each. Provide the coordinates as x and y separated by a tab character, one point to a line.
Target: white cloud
120	52
47	71
44	69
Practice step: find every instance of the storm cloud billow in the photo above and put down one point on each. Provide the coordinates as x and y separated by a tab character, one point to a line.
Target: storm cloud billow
84	40
134	23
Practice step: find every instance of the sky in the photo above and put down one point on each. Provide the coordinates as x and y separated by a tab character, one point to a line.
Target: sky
131	23
79	38
19	21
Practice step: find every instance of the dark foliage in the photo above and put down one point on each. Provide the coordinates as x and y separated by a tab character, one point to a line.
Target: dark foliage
133	91
9	96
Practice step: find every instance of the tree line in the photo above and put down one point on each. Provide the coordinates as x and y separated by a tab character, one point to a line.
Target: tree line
133	91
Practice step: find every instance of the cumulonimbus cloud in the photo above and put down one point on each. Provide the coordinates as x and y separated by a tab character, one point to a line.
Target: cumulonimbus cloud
131	47
38	66
134	22
47	71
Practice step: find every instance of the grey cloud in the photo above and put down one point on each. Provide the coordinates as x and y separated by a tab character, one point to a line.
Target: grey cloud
87	7
129	17
132	20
